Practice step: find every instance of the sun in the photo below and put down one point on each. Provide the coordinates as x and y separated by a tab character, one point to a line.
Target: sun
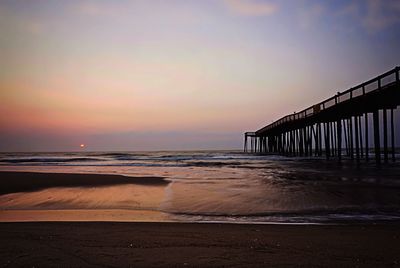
82	145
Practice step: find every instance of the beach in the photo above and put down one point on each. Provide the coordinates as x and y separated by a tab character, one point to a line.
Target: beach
100	244
162	217
209	133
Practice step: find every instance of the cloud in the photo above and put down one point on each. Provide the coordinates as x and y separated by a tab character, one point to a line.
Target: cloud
94	8
34	27
11	22
350	9
372	15
381	14
309	16
251	7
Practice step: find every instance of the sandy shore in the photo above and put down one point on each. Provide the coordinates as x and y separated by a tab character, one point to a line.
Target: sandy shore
162	244
91	244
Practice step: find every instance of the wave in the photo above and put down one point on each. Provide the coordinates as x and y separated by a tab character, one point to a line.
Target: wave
105	163
213	164
321	216
349	210
122	156
49	160
97	165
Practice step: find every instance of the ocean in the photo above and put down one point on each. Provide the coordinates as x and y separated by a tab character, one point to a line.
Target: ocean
207	186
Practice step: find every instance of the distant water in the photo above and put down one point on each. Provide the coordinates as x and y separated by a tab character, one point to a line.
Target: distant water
222	186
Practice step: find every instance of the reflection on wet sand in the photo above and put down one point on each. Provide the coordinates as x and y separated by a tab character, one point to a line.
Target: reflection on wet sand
111	197
92	197
262	197
102	215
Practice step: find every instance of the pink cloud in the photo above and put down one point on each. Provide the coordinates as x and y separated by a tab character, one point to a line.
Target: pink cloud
381	14
310	16
251	7
373	15
95	8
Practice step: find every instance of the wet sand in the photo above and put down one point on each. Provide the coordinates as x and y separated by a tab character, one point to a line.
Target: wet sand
12	182
91	244
28	196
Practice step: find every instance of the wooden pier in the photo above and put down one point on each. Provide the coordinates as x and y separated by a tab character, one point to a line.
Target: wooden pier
345	125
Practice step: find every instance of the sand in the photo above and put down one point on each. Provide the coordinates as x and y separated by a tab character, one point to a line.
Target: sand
92	244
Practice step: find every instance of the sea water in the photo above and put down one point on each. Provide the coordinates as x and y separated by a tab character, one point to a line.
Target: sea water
208	186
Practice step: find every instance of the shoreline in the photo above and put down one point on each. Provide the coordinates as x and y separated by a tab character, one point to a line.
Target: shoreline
58	197
86	244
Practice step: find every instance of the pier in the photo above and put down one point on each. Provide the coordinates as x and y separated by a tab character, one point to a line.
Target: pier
357	123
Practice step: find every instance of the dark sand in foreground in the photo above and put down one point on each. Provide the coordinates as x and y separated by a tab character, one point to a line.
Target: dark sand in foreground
90	244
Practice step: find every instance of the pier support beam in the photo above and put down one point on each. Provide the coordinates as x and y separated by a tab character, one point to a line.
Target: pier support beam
339	139
356	134
385	137
245	143
332	143
392	135
346	137
327	141
320	139
377	138
361	135
366	138
351	140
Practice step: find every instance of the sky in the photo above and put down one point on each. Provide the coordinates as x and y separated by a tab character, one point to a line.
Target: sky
178	74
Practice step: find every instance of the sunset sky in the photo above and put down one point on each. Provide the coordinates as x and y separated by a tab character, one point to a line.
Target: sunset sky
178	74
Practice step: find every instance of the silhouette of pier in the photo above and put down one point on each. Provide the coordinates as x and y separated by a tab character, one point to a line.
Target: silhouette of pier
350	124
